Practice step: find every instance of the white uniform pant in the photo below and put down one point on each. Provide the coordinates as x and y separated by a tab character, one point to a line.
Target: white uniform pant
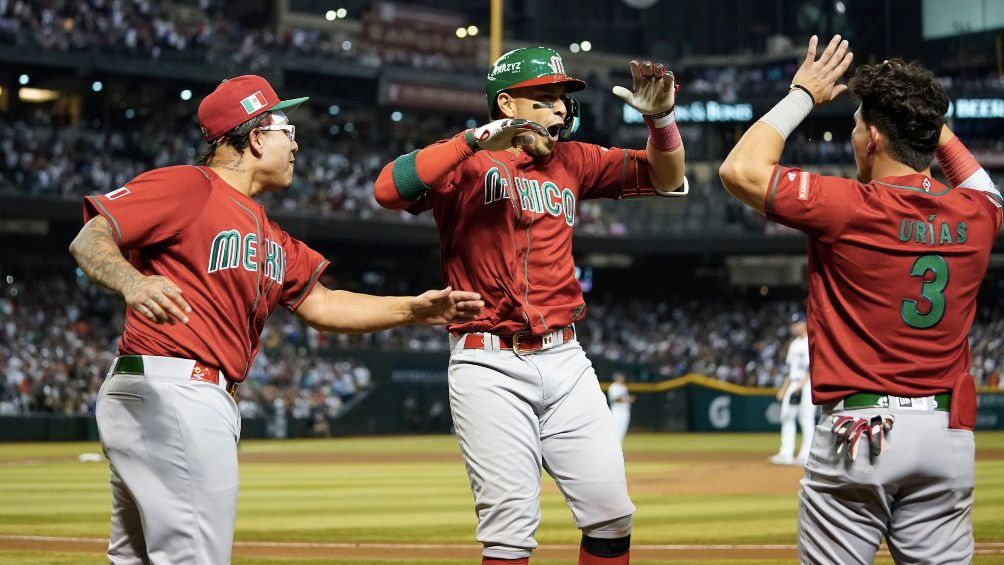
917	494
622	419
805	413
172	447
517	414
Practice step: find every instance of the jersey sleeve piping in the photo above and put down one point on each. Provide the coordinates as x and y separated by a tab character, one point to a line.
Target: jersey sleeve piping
769	204
914	189
108	216
292	306
203	173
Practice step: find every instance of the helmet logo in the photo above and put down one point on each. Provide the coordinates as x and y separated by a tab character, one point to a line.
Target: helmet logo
557	66
506	68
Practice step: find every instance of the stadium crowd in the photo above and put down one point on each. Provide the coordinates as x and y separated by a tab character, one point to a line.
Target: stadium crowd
333	179
195	31
58	335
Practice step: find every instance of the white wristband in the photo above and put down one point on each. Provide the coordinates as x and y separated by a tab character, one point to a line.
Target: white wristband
664	121
789	112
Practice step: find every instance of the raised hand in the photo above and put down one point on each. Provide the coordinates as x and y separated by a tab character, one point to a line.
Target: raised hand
157	298
653	88
438	307
820	76
506	133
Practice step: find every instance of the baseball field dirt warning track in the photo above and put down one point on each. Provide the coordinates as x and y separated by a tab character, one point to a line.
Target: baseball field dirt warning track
701	498
381	552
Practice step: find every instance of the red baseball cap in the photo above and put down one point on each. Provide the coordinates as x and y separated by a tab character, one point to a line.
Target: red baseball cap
237	100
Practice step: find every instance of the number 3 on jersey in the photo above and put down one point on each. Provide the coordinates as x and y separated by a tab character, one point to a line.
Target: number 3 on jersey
933	291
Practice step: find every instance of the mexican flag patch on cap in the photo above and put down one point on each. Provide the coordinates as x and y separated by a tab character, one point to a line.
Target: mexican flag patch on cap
253	102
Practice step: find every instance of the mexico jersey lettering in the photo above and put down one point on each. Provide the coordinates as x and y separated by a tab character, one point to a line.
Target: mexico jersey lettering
233	264
894	269
231	250
506	229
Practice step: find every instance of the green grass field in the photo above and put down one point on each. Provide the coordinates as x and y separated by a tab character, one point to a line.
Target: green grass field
692	489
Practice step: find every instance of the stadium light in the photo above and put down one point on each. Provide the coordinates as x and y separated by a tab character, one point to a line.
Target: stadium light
341	13
346	45
334	109
827	136
23	79
586	46
461	32
186	94
472	30
574	48
840	7
130	114
96	86
396	116
350	127
330	15
334	130
37	94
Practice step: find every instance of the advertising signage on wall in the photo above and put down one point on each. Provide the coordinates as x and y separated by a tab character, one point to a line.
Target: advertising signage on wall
977	109
700	112
709	111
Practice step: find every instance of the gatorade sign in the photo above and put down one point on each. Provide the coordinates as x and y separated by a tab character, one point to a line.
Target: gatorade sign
720	412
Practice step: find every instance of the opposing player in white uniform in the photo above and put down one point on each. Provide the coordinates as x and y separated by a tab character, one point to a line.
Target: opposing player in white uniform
620	404
795	399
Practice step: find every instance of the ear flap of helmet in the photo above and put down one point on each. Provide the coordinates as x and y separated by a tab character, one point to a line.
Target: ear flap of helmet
572	120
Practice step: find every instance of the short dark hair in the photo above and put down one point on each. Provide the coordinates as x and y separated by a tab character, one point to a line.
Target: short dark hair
907	104
238	138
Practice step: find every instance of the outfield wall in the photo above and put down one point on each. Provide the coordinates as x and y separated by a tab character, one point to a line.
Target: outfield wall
415	400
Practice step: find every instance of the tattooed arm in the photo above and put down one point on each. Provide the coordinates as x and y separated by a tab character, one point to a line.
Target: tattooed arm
158	298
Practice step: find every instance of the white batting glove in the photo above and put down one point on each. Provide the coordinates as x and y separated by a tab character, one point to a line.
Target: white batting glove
653	89
504	134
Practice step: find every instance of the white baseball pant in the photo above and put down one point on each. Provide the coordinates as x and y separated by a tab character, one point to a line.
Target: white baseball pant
172	447
517	414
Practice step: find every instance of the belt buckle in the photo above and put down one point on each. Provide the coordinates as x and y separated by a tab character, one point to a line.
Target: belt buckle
231	389
919	404
515	343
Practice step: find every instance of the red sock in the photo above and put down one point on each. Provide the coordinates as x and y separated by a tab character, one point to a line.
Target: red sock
494	561
586	558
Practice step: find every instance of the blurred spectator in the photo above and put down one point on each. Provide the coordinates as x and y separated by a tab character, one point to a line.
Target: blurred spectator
334	176
58	336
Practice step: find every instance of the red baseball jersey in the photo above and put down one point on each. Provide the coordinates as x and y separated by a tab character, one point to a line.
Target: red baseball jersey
233	265
894	269
505	225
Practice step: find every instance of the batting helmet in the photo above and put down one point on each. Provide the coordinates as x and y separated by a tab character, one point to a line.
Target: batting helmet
529	66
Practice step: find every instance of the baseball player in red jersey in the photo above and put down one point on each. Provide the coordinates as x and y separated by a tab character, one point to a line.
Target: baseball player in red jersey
206	268
522	393
895	262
